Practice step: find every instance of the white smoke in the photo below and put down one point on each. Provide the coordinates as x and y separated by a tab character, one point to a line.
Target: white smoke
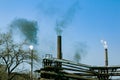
104	44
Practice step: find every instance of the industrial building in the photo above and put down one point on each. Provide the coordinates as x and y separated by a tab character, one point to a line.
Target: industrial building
61	69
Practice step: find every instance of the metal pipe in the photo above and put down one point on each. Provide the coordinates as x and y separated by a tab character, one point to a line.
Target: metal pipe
69	75
69	62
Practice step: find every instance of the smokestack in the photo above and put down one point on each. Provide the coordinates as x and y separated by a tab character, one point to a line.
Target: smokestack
106	51
106	57
59	47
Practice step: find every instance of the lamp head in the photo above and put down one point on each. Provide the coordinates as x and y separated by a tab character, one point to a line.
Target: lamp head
31	47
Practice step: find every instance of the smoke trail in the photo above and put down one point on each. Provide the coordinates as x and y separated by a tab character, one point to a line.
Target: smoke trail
67	18
80	50
27	28
49	7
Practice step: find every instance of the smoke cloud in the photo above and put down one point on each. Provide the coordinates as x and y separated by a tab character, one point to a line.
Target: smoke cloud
27	28
62	22
80	51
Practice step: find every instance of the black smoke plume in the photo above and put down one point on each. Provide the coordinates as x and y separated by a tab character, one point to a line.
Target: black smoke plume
80	51
66	19
28	29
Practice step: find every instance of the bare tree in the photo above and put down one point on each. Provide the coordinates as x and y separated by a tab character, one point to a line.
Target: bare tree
13	54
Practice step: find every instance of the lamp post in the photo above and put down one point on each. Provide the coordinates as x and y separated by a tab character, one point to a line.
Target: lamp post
31	51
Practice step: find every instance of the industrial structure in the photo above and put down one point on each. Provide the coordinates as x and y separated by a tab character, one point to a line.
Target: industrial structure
61	69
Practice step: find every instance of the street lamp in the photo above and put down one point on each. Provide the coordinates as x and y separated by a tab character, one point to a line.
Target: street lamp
31	51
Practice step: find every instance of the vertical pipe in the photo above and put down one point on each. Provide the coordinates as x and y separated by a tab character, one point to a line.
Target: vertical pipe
106	57
59	47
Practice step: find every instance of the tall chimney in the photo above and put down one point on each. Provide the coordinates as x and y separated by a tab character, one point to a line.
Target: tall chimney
106	51
106	57
59	47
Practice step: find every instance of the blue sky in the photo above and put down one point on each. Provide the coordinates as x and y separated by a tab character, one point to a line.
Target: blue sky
92	21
